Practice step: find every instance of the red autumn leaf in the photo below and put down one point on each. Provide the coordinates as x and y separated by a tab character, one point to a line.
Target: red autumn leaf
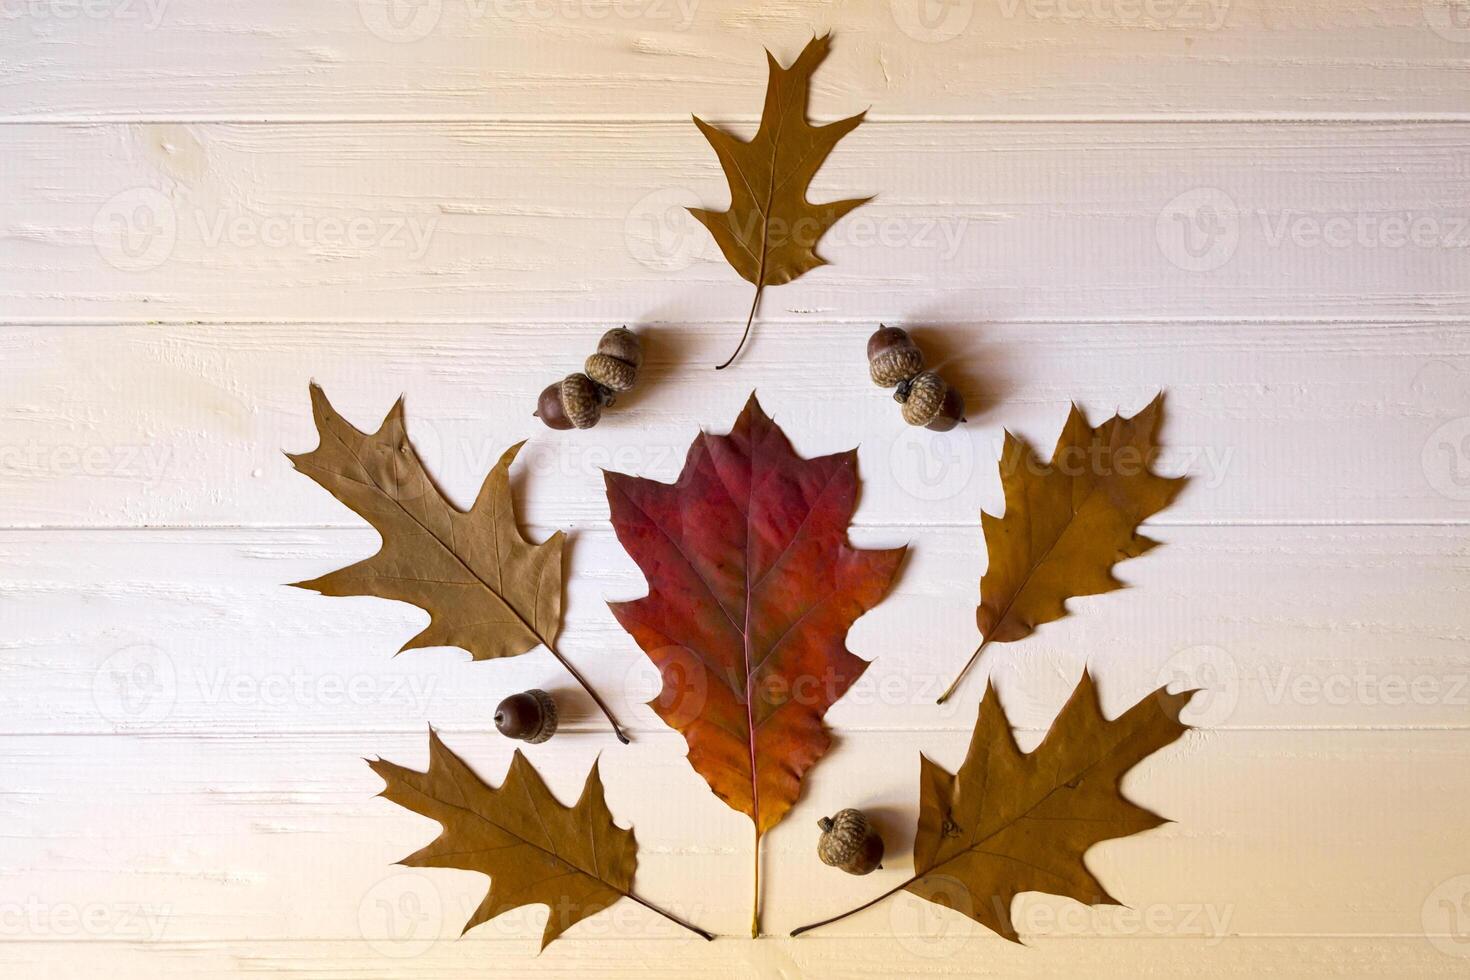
752	589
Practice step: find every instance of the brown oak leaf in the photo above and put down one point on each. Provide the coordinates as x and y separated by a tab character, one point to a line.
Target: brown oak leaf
486	588
770	232
1009	822
1068	522
574	860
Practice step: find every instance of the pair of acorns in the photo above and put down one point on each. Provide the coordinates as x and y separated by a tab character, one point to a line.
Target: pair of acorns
895	361
577	401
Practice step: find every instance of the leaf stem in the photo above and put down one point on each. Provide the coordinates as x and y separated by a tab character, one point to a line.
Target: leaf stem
755	902
748	321
707	937
949	691
617	729
866	905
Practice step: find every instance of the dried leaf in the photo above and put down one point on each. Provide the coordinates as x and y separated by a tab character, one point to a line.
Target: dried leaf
752	589
1068	522
574	860
486	588
770	232
1009	822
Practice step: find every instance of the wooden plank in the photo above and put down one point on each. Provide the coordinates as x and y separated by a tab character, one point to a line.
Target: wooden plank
272	838
946	957
1278	422
517	221
193	632
193	59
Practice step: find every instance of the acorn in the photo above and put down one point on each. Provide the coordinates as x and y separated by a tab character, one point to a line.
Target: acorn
574	402
893	356
529	716
850	843
928	401
577	401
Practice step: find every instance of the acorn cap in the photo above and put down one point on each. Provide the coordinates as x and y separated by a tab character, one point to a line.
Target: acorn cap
580	400
611	372
922	398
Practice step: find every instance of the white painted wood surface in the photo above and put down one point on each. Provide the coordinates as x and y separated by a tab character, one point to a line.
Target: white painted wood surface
1261	206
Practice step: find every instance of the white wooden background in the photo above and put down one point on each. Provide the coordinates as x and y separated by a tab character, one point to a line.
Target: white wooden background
1259	205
